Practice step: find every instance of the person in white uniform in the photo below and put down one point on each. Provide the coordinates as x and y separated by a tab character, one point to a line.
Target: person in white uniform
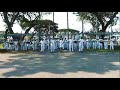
81	44
61	44
97	43
11	45
48	44
87	43
25	45
33	44
70	45
16	45
111	44
28	44
36	45
94	43
22	44
52	45
42	43
5	44
100	44
105	44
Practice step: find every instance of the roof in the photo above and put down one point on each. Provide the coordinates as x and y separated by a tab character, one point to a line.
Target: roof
70	30
2	32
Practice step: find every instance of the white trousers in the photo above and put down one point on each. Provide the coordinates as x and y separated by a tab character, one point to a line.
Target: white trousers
111	46
81	47
71	47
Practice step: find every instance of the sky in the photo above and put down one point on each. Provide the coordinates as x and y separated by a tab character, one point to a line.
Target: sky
61	19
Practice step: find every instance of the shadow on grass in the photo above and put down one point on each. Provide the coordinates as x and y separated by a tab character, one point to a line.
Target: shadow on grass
61	63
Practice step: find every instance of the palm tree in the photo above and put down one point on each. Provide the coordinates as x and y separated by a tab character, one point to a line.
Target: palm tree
67	25
53	25
82	28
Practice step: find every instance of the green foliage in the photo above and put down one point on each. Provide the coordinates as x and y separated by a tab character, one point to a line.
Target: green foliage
1	46
47	24
30	19
104	19
22	18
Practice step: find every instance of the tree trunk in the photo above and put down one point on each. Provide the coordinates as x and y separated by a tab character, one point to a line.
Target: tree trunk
68	34
26	31
74	36
53	35
103	30
9	26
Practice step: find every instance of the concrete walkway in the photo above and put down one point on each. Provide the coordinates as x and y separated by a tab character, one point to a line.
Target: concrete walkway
60	65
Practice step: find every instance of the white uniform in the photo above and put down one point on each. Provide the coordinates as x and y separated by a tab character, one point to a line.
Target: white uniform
61	44
48	44
11	45
52	45
81	45
36	45
70	45
105	44
28	45
5	45
111	44
75	45
100	44
22	45
55	44
33	45
94	44
87	42
42	45
66	43
16	45
25	45
97	43
24	48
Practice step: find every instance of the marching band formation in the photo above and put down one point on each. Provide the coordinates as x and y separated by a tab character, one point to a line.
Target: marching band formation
55	44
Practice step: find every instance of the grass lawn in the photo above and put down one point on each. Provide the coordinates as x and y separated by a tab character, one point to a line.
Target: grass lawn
1	46
117	49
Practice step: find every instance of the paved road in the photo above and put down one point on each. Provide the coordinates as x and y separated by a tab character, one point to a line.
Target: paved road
60	65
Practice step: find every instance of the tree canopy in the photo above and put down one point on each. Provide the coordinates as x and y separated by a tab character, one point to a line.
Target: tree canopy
104	19
21	17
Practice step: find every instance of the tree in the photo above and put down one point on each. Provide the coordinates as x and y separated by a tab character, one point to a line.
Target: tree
43	27
9	18
28	20
104	19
